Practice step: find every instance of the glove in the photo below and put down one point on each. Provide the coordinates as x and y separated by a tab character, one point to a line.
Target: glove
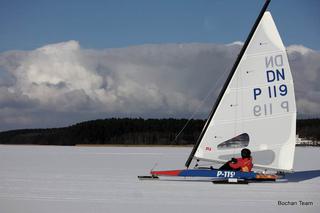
233	160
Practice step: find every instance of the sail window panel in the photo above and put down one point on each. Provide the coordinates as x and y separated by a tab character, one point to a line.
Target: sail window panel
267	132
239	141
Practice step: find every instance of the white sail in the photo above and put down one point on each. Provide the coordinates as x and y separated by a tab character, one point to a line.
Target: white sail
257	109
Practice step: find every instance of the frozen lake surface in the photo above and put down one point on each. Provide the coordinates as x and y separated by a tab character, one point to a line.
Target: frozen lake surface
41	179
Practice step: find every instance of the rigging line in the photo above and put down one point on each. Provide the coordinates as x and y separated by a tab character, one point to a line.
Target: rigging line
156	164
201	104
235	133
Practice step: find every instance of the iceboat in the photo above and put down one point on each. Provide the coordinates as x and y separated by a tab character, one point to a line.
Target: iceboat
255	109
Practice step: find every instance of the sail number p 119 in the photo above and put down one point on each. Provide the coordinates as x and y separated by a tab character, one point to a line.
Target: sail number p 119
266	109
276	87
226	174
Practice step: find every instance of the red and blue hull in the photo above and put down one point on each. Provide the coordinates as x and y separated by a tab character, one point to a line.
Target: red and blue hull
213	173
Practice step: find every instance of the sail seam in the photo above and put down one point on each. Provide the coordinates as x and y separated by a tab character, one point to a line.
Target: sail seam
289	82
255	119
249	55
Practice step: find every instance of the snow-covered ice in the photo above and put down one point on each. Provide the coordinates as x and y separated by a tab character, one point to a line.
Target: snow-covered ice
41	179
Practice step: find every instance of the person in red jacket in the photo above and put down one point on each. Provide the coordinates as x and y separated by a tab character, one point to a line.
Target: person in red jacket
243	164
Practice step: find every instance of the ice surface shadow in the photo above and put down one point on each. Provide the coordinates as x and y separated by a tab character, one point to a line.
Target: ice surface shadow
302	175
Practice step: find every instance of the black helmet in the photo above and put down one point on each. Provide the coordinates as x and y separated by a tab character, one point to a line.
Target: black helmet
245	153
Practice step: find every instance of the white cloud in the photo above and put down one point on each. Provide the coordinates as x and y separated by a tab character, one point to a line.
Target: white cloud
305	65
59	84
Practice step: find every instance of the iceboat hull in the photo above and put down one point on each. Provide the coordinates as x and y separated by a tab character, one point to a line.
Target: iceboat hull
214	174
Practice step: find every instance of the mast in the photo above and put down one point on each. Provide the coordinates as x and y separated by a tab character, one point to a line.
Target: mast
234	68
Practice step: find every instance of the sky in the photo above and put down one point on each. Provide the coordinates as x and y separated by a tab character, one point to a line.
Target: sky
103	24
63	62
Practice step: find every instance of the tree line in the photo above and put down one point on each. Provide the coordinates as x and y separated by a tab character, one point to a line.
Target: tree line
309	129
130	131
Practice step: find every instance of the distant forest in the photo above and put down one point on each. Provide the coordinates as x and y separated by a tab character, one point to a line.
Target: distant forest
130	131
